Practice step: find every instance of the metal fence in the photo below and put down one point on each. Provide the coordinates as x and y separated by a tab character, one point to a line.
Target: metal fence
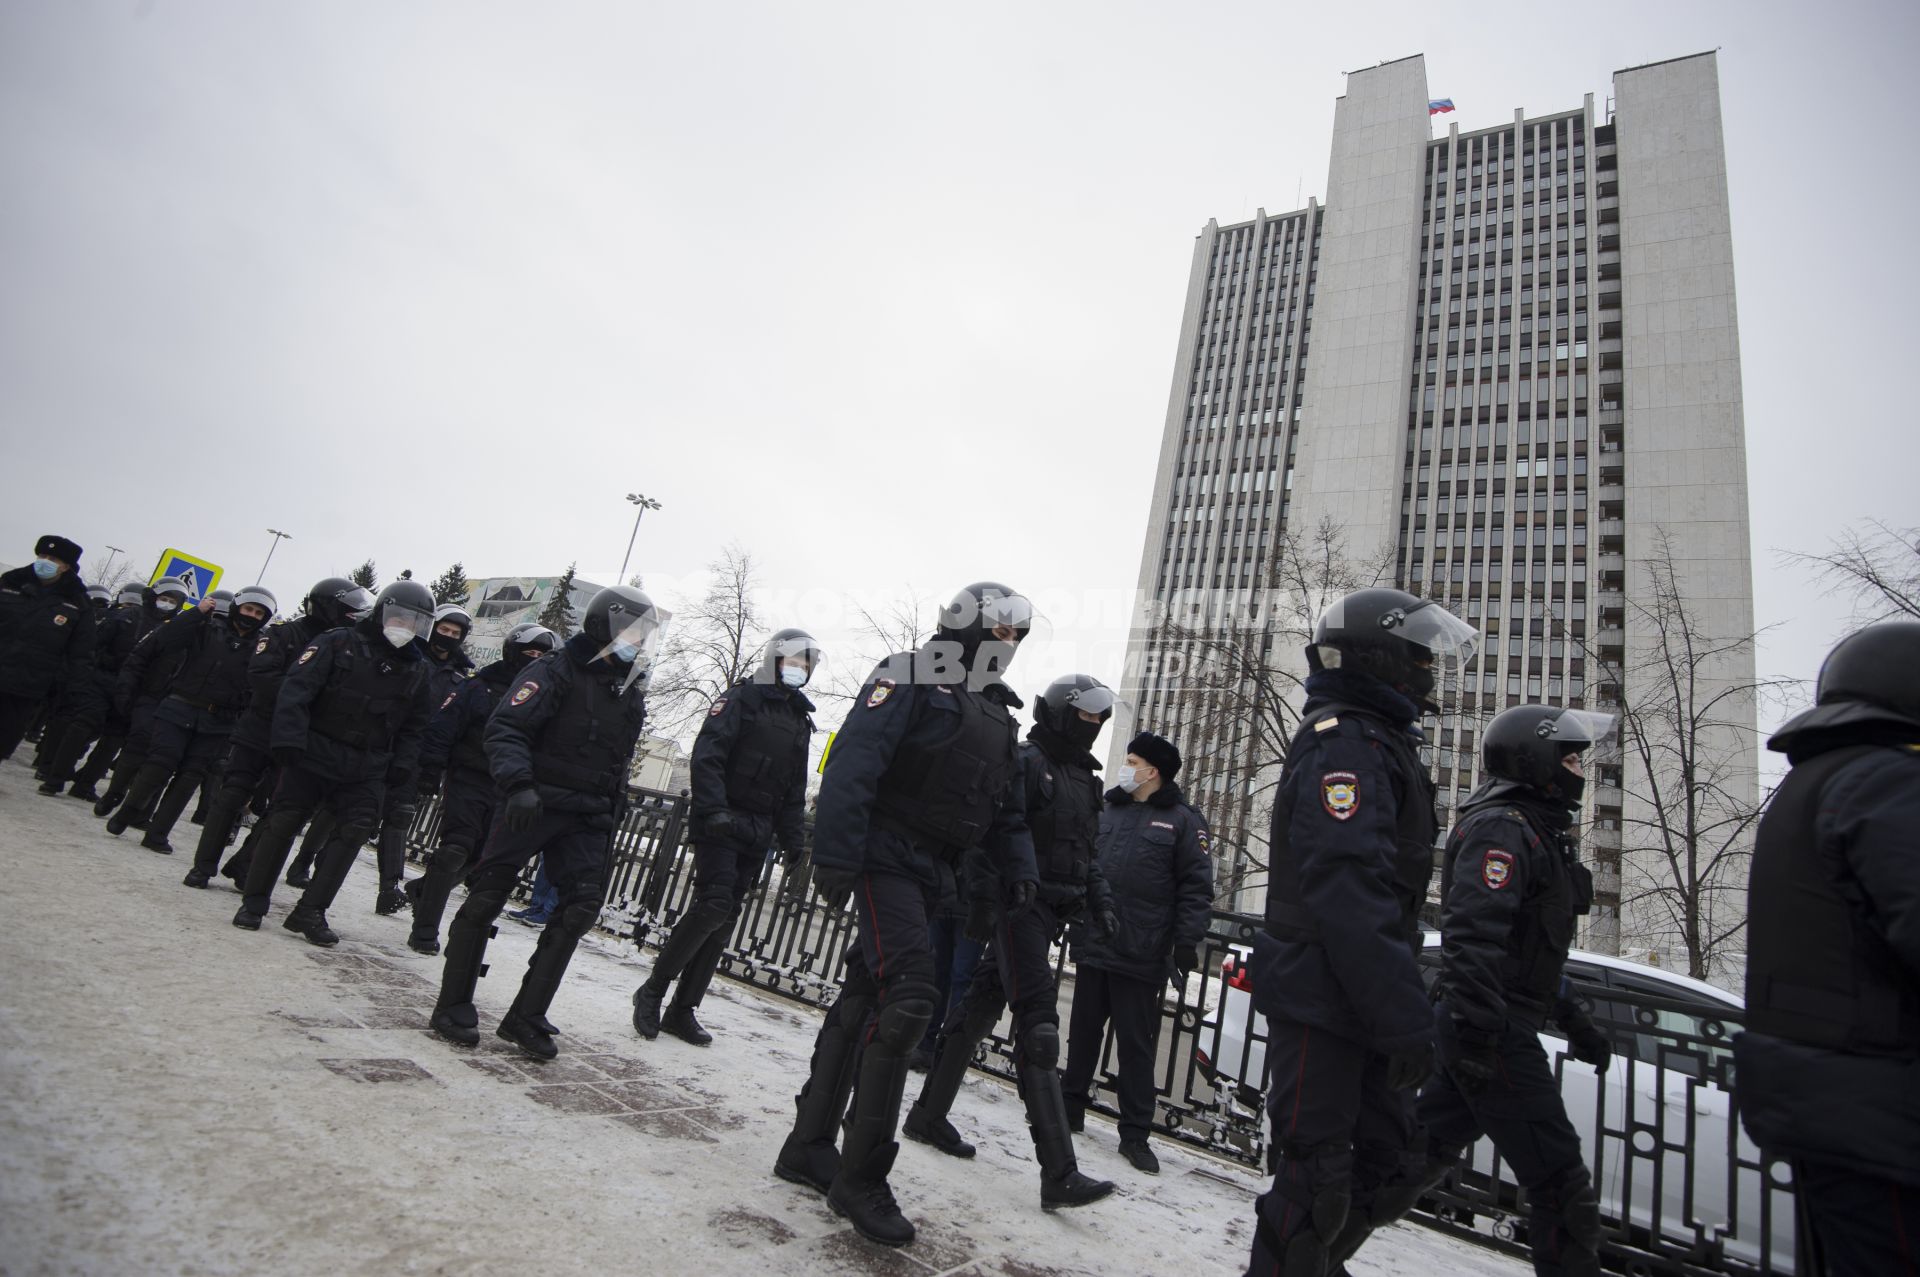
1682	1189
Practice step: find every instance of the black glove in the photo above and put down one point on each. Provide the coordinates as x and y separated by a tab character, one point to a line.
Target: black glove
1185	958
1023	893
1106	924
980	919
1476	1062
718	825
523	808
1407	1069
1585	1042
288	756
835	886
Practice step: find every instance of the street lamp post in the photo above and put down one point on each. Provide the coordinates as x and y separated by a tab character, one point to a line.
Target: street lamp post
278	537
645	504
108	566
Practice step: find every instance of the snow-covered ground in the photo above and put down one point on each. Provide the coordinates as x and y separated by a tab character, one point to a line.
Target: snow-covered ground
183	1097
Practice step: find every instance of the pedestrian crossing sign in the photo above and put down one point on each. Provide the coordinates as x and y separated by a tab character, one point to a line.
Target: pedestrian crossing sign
199	575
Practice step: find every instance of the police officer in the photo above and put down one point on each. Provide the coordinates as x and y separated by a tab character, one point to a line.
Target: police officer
90	714
559	747
137	694
348	722
448	665
1350	1028
46	634
1511	891
332	602
923	771
1154	855
71	700
455	752
1062	796
1828	1070
749	788
193	723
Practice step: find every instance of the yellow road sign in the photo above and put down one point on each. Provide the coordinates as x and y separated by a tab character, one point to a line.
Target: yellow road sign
201	576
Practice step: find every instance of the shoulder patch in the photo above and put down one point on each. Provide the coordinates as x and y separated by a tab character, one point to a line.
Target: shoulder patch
1496	869
59	618
1204	841
1340	794
260	647
307	655
882	689
718	708
525	693
1327	724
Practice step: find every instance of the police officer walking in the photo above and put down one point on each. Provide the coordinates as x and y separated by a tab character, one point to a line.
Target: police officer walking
46	634
136	697
1511	892
1157	862
1062	796
1350	1028
87	724
454	761
348	722
749	788
559	748
1828	1070
194	721
923	771
332	602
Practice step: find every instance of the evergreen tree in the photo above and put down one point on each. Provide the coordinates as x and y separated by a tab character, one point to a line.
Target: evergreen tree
451	586
558	614
364	577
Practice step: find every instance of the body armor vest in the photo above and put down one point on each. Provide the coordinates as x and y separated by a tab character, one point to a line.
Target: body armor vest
761	766
213	672
1065	826
367	696
1415	828
589	741
469	753
944	786
1543	926
1816	973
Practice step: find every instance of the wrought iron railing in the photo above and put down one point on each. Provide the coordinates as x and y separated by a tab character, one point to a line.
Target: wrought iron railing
1683	1191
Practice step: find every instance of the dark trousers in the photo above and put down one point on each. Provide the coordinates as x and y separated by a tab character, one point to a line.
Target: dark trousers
1866	1227
1339	1133
16	716
133	751
466	808
396	822
296	796
1019	974
954	960
245	768
184	745
723	874
1133	1006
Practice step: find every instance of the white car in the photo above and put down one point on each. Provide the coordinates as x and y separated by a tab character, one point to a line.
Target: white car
1659	1121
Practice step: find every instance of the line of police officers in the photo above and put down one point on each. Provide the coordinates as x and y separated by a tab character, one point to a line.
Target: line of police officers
929	781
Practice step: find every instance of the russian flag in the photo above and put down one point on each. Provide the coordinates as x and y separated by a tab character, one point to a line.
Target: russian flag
1439	106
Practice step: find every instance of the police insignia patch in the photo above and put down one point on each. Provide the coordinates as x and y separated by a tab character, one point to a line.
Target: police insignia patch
1340	794
60	618
882	688
525	693
260	647
307	655
718	708
1496	869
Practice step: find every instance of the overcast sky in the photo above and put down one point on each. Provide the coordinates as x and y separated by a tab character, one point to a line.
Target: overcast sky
887	294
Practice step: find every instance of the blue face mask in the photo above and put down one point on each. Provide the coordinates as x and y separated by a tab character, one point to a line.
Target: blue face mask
625	652
46	569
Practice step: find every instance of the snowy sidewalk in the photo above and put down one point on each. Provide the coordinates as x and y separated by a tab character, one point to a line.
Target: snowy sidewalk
183	1097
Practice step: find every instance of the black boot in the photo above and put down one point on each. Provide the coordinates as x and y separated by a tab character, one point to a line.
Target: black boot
860	1191
1061	1183
926	1121
680	1022
166	813
157	842
525	1024
247	920
311	922
196	877
52	787
454	1015
87	794
222	814
646	1010
530	1035
808	1157
390	901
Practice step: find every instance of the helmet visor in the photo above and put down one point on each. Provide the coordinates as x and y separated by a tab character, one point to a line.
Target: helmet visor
356	603
1092	700
1577	727
803	649
398	615
636	639
1006	609
1436	629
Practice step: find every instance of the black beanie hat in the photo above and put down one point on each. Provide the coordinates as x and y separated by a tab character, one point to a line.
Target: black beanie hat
54	547
1158	751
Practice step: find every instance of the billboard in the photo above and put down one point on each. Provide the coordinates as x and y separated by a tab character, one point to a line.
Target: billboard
499	603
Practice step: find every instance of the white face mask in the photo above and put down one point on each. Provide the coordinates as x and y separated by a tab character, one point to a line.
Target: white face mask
164	605
1128	777
398	635
793	676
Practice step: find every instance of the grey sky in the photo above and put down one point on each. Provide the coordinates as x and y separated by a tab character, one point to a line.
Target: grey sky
886	294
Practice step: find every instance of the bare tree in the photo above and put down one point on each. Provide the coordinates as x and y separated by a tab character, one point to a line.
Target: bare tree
1234	666
1877	566
1685	769
713	642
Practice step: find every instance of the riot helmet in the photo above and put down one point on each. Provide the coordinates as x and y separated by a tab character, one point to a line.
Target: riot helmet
1394	636
335	601
527	642
102	597
132	594
444	645
791	659
627	626
252	596
987	621
222	601
1868	679
1529	745
1059	708
403	611
169	595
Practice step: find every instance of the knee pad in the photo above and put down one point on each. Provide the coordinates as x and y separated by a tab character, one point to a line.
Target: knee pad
1327	1191
978	1021
1040	1043
1569	1199
489	890
903	1020
577	918
449	858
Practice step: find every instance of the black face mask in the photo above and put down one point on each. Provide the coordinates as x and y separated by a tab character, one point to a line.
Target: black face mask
442	647
1570	787
1417	685
1083	733
517	661
242	624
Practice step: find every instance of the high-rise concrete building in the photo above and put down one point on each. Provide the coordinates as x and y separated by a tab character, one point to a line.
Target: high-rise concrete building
1499	368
